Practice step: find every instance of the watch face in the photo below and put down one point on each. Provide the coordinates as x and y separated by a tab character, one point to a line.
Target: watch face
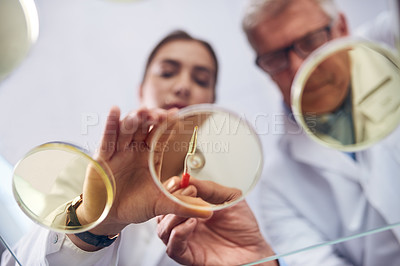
72	218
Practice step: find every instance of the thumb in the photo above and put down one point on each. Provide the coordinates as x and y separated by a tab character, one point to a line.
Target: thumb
187	206
185	202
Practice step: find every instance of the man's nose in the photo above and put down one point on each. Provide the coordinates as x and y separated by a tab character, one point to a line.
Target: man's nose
295	62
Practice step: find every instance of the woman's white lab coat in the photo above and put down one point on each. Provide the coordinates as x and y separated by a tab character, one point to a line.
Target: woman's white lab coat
137	245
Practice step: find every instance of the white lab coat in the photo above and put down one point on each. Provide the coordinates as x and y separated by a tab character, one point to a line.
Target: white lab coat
138	244
381	29
13	222
311	194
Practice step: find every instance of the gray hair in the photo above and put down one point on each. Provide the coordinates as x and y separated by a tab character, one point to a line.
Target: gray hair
255	8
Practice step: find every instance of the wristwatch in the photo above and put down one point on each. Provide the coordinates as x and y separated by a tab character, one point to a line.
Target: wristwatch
87	237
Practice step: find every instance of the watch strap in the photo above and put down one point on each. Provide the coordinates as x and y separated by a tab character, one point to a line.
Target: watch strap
87	237
97	240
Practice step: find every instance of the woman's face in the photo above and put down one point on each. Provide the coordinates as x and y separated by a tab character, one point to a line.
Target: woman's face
182	73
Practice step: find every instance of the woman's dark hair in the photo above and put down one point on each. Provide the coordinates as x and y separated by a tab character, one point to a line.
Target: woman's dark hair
176	36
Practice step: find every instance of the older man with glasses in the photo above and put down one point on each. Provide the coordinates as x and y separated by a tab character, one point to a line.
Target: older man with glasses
284	33
310	194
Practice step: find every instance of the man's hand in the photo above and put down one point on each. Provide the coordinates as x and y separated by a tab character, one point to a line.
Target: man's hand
230	237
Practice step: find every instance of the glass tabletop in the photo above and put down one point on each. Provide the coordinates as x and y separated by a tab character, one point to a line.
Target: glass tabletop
336	213
7	252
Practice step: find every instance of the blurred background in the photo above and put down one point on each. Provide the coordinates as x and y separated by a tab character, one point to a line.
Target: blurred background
90	55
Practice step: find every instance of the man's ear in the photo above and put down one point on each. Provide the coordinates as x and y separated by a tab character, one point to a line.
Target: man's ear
342	26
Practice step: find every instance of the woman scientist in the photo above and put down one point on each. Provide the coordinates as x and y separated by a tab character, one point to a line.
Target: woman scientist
180	71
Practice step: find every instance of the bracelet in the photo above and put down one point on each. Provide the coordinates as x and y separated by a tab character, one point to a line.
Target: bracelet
87	237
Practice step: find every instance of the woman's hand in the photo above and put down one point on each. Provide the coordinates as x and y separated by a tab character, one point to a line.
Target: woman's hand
125	148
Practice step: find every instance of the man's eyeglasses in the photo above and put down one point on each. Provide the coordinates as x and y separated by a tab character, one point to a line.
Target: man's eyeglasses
278	61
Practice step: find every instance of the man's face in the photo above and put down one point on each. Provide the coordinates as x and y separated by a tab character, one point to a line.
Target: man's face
328	85
297	20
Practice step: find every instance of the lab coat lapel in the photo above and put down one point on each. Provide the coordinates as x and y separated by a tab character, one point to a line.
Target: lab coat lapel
306	150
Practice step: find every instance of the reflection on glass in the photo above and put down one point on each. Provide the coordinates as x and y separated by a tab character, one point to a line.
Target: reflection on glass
51	177
228	154
19	28
6	251
349	98
361	238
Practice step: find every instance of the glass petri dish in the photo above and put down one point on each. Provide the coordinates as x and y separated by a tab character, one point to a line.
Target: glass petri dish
228	157
52	176
346	95
19	30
